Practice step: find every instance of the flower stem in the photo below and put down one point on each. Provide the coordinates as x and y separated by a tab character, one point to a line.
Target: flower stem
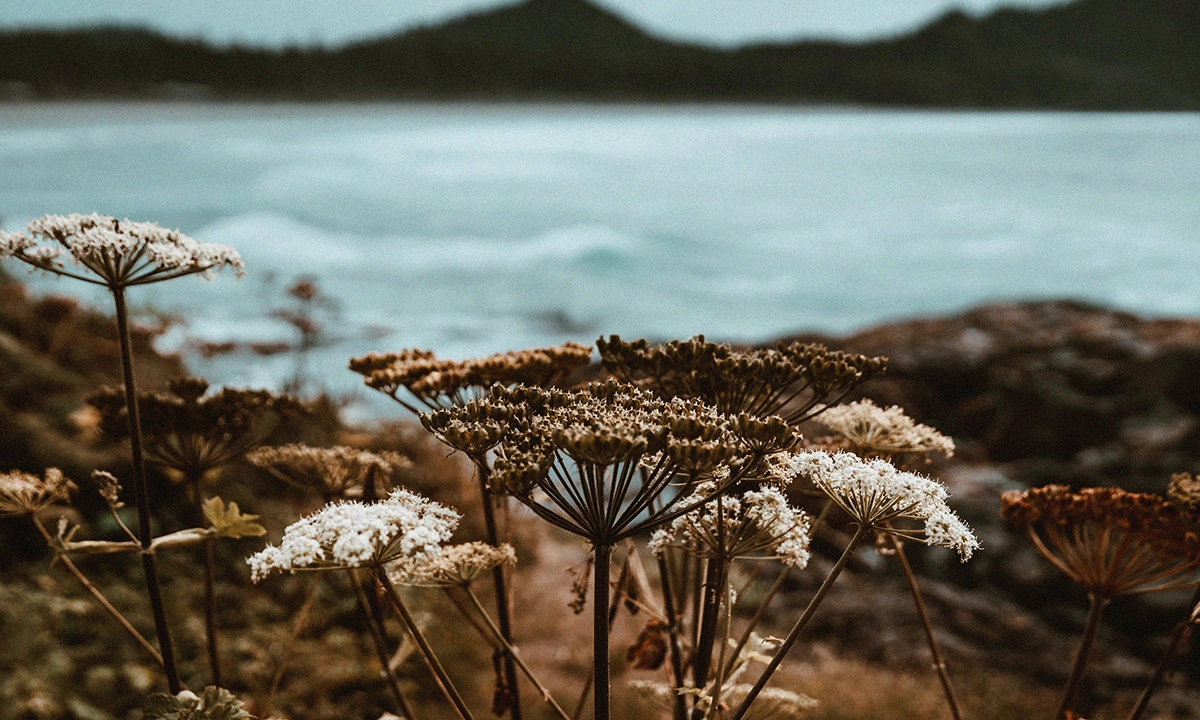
512	651
375	623
411	623
801	623
679	706
1091	625
99	596
503	608
600	673
210	612
1177	638
939	663
715	580
142	496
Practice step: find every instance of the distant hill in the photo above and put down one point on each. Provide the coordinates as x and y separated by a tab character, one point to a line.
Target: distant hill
1089	54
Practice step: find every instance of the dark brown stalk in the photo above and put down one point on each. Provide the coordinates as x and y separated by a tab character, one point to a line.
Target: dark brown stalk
714	591
939	663
1091	625
499	583
99	596
600	626
680	704
801	623
142	495
1178	636
375	623
210	616
439	672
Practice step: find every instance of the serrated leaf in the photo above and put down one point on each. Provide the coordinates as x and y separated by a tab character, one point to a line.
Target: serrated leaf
229	521
213	703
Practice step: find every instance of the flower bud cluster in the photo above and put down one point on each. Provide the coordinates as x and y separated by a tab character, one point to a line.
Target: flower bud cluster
337	471
455	565
884	431
23	493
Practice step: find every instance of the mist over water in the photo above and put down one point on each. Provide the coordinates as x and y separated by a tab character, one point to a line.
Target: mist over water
470	229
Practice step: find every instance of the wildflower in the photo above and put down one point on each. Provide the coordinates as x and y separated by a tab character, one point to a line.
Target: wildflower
455	565
884	431
874	494
25	494
350	534
121	253
1110	541
760	521
1184	492
793	380
337	471
438	383
191	432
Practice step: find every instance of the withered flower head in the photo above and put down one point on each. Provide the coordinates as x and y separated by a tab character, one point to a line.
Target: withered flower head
438	383
795	381
454	566
1110	541
875	494
873	430
335	472
22	493
609	459
191	432
1184	493
120	253
758	524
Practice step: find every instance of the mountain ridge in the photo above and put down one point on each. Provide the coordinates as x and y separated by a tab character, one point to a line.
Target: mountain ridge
1087	54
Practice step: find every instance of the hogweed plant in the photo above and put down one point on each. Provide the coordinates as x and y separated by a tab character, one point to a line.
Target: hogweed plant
120	254
1112	543
420	381
192	435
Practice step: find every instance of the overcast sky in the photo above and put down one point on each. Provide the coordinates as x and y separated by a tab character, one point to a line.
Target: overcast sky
276	22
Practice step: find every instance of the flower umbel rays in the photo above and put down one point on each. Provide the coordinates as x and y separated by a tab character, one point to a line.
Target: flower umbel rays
351	534
120	253
884	431
334	472
759	524
874	494
1110	541
24	494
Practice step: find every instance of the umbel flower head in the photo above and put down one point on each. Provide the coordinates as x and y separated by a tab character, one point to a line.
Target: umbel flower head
795	381
118	253
22	493
758	524
334	472
454	566
437	383
1110	541
875	494
191	432
352	534
873	430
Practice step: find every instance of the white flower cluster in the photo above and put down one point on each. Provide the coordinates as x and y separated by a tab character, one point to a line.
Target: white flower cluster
351	534
884	430
760	521
120	252
874	493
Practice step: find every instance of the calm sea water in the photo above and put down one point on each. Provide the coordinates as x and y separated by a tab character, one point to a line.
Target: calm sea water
475	228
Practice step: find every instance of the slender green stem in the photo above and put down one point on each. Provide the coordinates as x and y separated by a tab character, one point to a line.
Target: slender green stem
801	623
1178	635
410	622
1091	625
141	494
99	596
499	582
512	651
939	663
375	625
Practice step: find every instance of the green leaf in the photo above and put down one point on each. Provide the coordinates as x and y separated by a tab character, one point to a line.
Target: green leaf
229	521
